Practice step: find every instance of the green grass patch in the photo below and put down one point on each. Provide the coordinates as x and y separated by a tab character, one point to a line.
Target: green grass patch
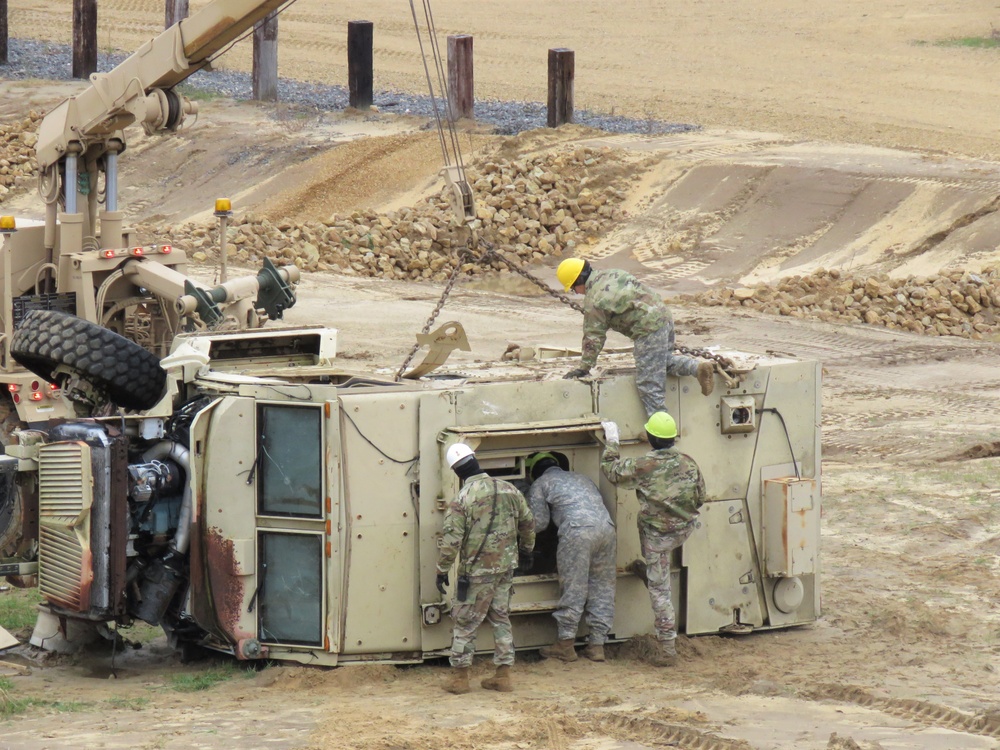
189	683
10	703
17	609
973	42
198	95
126	703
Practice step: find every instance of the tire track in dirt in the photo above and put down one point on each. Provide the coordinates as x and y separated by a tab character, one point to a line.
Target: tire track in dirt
929	714
632	728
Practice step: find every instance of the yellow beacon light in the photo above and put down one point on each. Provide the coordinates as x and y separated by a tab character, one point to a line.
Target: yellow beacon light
7	224
223	206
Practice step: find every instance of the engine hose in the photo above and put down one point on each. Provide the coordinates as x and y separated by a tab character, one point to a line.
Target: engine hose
181	456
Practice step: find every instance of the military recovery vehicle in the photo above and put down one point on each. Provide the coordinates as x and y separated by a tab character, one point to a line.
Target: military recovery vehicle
80	259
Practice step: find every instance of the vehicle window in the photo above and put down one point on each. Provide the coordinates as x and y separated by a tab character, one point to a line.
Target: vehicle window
289	461
291	588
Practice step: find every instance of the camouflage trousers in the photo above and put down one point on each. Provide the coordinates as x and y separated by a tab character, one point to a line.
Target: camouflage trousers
657	548
488	599
585	560
654	360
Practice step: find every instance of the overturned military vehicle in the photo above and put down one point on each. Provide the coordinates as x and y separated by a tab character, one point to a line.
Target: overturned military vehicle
271	504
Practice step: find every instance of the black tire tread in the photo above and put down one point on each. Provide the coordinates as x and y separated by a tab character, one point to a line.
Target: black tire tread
130	376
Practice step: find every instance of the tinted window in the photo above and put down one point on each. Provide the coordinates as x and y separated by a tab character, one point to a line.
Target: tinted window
289	461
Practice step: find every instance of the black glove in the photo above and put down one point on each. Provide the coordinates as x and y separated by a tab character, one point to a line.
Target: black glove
441	581
580	372
525	561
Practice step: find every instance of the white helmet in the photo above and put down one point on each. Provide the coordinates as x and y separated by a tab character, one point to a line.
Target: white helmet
456	453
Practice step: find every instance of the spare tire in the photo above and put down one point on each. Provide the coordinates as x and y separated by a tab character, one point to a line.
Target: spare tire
130	376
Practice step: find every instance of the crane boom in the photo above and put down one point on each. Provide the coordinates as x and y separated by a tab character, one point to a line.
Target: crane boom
140	88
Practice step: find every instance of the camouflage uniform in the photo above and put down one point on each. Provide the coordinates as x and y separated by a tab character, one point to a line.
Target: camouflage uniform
616	300
670	489
585	557
490	574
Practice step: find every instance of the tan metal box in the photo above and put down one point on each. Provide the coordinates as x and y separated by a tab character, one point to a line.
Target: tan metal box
791	526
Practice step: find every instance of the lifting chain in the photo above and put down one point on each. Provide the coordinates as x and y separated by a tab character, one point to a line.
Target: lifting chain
491	253
725	364
467	254
463	252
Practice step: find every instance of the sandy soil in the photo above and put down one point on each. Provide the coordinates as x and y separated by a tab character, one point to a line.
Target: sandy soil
855	70
794	174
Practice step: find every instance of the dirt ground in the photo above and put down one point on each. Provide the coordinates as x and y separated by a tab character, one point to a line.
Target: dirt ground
838	136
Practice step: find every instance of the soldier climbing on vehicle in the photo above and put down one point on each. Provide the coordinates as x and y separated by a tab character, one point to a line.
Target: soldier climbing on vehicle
670	489
615	300
585	556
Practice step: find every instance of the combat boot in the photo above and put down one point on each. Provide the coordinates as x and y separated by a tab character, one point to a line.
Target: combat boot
458	681
594	652
665	654
706	377
500	681
562	650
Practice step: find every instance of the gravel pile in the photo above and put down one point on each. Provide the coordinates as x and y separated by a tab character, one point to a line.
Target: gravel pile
17	151
31	59
950	303
529	208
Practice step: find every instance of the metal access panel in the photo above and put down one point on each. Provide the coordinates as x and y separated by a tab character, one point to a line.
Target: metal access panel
719	564
791	527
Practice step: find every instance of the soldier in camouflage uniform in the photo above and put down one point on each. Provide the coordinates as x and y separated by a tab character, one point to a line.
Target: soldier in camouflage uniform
485	526
585	557
616	300
670	489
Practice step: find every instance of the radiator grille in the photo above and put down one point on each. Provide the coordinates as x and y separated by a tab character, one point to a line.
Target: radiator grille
65	494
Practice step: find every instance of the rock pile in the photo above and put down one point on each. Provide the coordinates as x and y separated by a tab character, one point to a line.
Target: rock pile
950	303
17	151
529	208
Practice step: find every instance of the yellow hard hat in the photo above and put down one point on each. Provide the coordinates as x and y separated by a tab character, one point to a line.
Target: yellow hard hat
662	425
569	271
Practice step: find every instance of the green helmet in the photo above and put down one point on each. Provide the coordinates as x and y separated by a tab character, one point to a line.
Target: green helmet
662	425
534	458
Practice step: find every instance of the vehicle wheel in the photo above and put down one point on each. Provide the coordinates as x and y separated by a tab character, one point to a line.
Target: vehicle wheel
129	375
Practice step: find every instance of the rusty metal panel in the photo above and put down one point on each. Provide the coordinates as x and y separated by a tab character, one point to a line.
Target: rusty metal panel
65	495
791	527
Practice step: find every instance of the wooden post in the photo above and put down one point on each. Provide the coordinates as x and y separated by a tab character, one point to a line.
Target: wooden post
360	36
562	68
3	32
265	59
175	12
84	38
461	92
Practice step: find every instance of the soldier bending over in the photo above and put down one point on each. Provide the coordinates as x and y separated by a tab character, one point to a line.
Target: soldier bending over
585	557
